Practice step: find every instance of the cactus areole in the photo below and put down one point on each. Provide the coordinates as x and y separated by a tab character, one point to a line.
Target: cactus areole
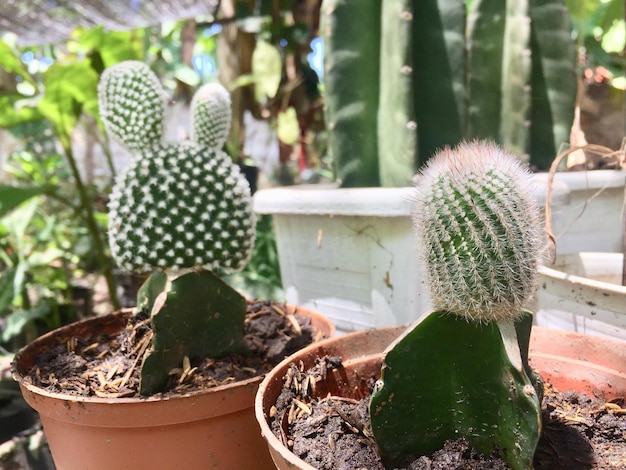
178	205
462	370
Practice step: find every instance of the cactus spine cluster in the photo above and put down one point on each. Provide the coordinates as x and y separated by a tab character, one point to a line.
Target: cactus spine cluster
479	232
177	205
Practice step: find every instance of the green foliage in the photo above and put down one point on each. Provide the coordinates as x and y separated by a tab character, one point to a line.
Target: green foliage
267	69
12	196
44	246
260	279
11	63
16	110
69	90
106	48
34	279
66	91
599	27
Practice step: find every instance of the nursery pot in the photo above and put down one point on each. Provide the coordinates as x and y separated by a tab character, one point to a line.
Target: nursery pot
349	252
212	428
570	361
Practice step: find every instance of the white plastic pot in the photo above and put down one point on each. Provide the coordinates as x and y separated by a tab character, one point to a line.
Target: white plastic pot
584	293
350	253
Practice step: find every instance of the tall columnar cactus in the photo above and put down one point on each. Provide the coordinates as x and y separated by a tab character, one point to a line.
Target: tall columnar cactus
442	71
178	206
462	370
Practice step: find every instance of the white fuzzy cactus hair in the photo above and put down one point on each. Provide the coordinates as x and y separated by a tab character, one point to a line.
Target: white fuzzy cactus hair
177	205
479	232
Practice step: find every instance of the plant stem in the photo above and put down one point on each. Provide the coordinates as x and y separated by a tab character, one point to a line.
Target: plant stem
92	226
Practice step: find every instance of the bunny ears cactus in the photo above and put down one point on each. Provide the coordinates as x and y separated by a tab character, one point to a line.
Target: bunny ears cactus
177	205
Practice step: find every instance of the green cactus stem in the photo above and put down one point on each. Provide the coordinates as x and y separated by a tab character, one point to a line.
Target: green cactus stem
448	378
441	71
397	127
478	231
351	77
178	206
196	315
462	370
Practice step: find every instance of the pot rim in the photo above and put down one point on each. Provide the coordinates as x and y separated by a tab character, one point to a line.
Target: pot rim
563	342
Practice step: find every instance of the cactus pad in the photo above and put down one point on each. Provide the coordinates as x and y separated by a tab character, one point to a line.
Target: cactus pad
211	115
180	206
196	315
132	104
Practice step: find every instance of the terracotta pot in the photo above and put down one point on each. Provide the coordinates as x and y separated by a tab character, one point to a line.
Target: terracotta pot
570	361
207	429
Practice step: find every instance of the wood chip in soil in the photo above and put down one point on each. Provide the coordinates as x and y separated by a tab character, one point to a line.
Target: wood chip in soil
109	366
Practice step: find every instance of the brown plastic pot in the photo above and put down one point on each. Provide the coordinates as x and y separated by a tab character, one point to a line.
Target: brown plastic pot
207	429
570	361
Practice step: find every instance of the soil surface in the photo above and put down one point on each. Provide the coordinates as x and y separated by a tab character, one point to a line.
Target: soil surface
578	432
109	365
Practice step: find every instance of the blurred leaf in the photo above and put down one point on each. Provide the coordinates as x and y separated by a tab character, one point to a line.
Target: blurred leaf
111	46
17	221
44	258
11	62
267	69
579	10
17	110
613	39
70	88
13	196
243	80
16	321
288	129
187	75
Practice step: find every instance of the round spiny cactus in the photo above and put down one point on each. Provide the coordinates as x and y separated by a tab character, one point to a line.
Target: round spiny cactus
479	232
176	206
